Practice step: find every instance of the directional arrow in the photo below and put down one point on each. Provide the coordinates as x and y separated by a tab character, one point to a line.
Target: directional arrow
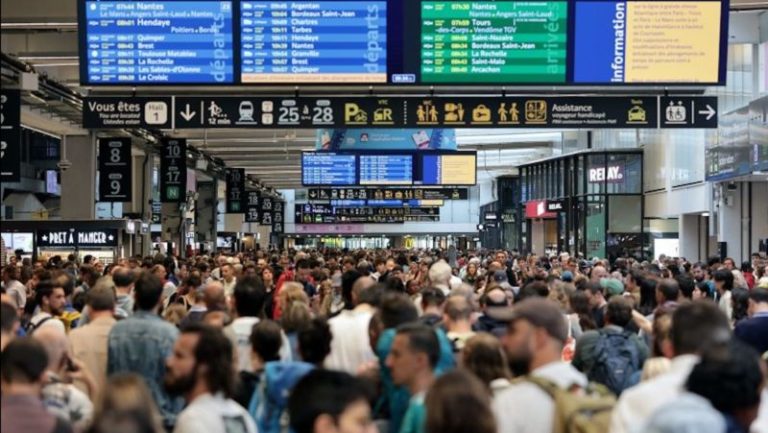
709	112
188	114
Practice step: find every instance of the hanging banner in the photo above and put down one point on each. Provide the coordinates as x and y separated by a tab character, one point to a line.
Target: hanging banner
115	173
386	139
173	171
235	190
278	217
10	135
252	207
265	211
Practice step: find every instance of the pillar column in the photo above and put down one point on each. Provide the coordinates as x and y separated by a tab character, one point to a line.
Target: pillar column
78	182
171	223
205	212
141	204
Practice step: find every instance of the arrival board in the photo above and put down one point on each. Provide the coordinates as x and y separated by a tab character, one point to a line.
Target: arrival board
158	42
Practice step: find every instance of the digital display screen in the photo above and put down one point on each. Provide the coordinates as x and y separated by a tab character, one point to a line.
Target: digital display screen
493	41
403	42
386	169
313	41
648	42
157	42
457	169
328	169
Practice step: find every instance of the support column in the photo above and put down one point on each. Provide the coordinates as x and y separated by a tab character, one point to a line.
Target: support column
205	212
688	232
729	221
171	221
141	205
78	182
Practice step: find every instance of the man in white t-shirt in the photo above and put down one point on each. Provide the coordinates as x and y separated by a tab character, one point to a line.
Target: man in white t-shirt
51	301
248	299
350	346
13	286
200	370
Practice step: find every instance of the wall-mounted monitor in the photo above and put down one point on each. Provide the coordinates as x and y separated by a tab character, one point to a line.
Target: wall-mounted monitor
328	169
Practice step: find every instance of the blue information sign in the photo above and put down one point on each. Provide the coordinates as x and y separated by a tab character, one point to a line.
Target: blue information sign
313	41
386	169
158	42
328	169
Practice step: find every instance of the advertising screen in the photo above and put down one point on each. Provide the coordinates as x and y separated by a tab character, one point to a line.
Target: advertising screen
403	42
449	169
379	170
156	42
328	169
385	139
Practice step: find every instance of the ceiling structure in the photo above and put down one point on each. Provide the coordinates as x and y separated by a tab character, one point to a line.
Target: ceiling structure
43	33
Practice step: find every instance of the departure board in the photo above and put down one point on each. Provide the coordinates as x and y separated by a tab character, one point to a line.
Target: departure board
493	42
328	169
314	41
386	169
447	169
158	42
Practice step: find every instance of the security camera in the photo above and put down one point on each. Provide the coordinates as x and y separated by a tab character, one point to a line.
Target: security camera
64	165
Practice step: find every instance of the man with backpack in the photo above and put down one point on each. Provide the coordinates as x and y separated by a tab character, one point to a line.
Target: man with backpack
554	393
612	356
50	301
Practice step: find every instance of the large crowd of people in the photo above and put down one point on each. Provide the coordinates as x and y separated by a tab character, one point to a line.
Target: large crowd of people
388	341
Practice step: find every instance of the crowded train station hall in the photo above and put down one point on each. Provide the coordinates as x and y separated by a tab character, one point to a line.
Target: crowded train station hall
384	216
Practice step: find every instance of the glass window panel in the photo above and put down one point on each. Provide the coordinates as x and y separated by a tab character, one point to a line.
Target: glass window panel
625	214
596	174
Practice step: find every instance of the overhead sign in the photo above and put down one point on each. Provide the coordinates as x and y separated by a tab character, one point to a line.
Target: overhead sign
115	169
278	217
386	169
325	194
594	112
73	238
688	112
10	135
106	112
235	190
327	214
156	42
265	211
252	207
328	169
173	171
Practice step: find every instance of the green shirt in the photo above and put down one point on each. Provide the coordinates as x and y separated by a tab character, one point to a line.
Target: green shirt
415	417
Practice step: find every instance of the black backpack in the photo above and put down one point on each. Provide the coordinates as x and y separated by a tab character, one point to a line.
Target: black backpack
617	361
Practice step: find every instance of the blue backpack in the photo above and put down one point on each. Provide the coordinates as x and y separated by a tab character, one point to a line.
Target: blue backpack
617	364
270	399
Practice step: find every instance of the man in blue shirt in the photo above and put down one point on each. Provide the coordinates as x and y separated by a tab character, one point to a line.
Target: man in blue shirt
754	331
141	343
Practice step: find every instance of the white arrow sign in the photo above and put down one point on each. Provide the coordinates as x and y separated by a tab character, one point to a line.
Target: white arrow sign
709	112
187	114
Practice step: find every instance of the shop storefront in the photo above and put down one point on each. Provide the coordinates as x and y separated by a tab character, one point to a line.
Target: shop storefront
588	203
104	239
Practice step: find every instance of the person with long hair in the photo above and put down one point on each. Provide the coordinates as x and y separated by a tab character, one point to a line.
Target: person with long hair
126	405
458	402
296	313
484	356
579	303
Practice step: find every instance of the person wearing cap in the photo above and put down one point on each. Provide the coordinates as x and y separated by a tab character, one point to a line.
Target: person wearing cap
536	334
611	287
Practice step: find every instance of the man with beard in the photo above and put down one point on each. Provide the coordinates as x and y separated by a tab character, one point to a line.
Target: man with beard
200	370
536	333
50	300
